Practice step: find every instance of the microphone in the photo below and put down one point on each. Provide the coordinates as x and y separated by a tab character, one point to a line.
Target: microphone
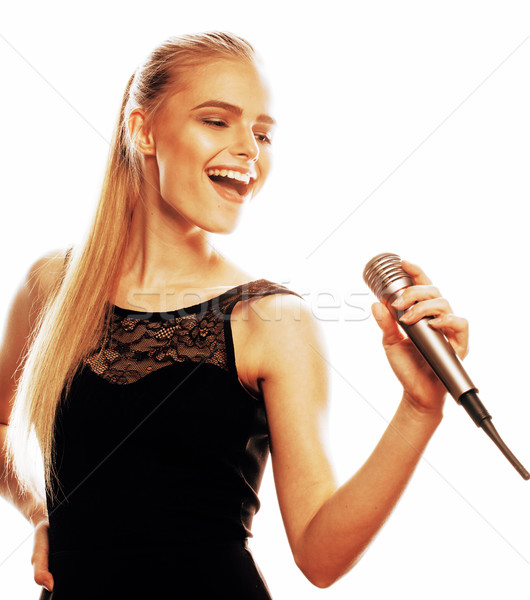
387	280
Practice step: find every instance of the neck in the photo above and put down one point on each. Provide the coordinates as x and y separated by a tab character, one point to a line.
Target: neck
163	249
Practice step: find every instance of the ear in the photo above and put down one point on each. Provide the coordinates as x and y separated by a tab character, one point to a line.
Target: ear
140	133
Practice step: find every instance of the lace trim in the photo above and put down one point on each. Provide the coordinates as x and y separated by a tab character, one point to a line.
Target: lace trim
135	347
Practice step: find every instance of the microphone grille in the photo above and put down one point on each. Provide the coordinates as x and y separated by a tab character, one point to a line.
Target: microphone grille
384	274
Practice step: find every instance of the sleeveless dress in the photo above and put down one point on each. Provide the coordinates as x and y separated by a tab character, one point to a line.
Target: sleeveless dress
159	452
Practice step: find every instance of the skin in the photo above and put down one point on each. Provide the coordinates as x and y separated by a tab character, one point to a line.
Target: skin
278	344
178	205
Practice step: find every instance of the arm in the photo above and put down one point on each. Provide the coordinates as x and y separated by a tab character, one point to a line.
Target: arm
328	527
20	323
13	347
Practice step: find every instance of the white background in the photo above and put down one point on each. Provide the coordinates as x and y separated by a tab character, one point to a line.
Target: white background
404	127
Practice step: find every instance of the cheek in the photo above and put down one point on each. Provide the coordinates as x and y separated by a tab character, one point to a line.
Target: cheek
266	160
187	152
200	144
265	164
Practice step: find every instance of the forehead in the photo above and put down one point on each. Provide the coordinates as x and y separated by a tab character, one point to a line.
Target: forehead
237	82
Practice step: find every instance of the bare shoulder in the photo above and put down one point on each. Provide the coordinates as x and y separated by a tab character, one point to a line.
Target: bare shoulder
281	316
287	332
280	340
264	316
38	281
45	272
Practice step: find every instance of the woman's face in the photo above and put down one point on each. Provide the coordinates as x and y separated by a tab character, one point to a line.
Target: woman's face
212	144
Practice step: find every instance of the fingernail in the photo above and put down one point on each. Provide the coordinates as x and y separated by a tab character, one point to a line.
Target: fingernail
397	303
46	587
405	317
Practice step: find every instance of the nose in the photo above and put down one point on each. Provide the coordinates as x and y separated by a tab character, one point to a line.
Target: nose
245	145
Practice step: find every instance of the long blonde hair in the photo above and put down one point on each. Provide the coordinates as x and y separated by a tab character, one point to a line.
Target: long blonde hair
77	312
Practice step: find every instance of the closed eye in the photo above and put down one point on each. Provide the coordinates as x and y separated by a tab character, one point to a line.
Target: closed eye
264	138
214	122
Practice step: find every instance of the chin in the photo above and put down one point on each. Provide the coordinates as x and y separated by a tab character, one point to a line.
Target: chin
223	228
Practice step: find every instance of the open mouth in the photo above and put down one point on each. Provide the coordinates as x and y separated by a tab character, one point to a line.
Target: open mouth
231	181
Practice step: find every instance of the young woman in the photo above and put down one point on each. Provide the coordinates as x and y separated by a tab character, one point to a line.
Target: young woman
156	374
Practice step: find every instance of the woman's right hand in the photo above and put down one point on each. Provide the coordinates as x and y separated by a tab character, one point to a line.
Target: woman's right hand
39	558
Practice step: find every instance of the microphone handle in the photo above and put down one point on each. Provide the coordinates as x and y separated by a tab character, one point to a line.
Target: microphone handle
439	353
436	350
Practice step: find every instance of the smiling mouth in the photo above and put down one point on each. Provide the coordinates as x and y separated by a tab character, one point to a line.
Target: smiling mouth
229	183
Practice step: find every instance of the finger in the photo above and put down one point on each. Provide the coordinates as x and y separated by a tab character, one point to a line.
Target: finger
415	293
417	274
42	576
391	332
39	559
456	329
427	308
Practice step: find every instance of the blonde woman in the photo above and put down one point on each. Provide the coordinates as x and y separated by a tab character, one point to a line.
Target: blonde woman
156	374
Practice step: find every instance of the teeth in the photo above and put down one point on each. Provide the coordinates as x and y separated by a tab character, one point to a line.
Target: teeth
243	177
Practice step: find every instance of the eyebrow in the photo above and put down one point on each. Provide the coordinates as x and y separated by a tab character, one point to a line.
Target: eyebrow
236	110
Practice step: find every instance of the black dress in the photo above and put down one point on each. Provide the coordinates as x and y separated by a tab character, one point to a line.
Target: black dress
160	452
